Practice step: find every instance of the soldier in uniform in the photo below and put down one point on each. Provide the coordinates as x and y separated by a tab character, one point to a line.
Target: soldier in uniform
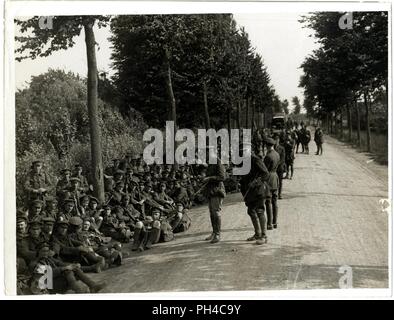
64	184
215	193
51	209
282	163
254	189
62	271
319	141
78	173
271	161
289	152
37	183
68	210
27	246
47	228
68	248
36	210
147	232
92	261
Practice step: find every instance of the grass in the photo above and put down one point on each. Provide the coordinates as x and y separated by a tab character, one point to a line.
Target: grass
379	144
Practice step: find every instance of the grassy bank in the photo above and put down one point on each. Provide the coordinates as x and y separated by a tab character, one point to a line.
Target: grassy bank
379	144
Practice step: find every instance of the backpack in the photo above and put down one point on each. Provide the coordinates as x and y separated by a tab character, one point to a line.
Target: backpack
184	224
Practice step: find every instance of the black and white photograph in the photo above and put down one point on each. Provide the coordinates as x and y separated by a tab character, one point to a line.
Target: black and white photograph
236	147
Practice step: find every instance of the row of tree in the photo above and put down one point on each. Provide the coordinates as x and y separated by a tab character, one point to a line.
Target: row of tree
349	67
191	69
197	70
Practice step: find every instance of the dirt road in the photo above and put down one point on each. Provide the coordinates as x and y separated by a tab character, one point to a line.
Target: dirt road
330	217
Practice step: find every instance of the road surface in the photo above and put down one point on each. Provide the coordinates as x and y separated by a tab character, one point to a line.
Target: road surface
330	218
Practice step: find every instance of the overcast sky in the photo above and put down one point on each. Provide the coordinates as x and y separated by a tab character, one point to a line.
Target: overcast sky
278	37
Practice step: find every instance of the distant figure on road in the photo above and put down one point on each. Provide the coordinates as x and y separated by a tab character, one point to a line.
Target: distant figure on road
279	148
306	140
215	193
319	140
289	152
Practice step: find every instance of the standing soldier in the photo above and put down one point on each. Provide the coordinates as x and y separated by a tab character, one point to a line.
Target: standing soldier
37	183
307	138
319	141
289	160
84	185
215	193
282	164
271	161
254	189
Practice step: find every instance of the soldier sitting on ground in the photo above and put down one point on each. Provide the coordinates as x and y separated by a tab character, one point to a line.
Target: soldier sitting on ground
65	275
103	246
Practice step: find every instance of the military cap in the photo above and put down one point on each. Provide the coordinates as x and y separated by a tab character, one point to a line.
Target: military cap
65	170
120	182
62	221
270	141
275	136
119	172
21	218
36	162
148	184
75	179
128	169
48	220
155	210
37	201
69	200
116	159
77	165
75	221
34	224
50	199
94	199
85	197
106	206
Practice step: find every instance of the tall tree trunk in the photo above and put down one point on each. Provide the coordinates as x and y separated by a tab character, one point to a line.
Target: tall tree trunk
349	122
229	117
246	113
170	90
95	134
206	113
358	123
239	113
367	121
341	122
327	122
253	123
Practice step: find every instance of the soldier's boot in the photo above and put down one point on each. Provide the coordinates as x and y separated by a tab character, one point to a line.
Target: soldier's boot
152	238
74	284
274	211
217	229
268	206
93	285
210	237
257	229
137	239
118	257
262	222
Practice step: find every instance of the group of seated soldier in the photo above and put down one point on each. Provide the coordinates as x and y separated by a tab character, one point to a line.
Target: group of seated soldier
65	227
